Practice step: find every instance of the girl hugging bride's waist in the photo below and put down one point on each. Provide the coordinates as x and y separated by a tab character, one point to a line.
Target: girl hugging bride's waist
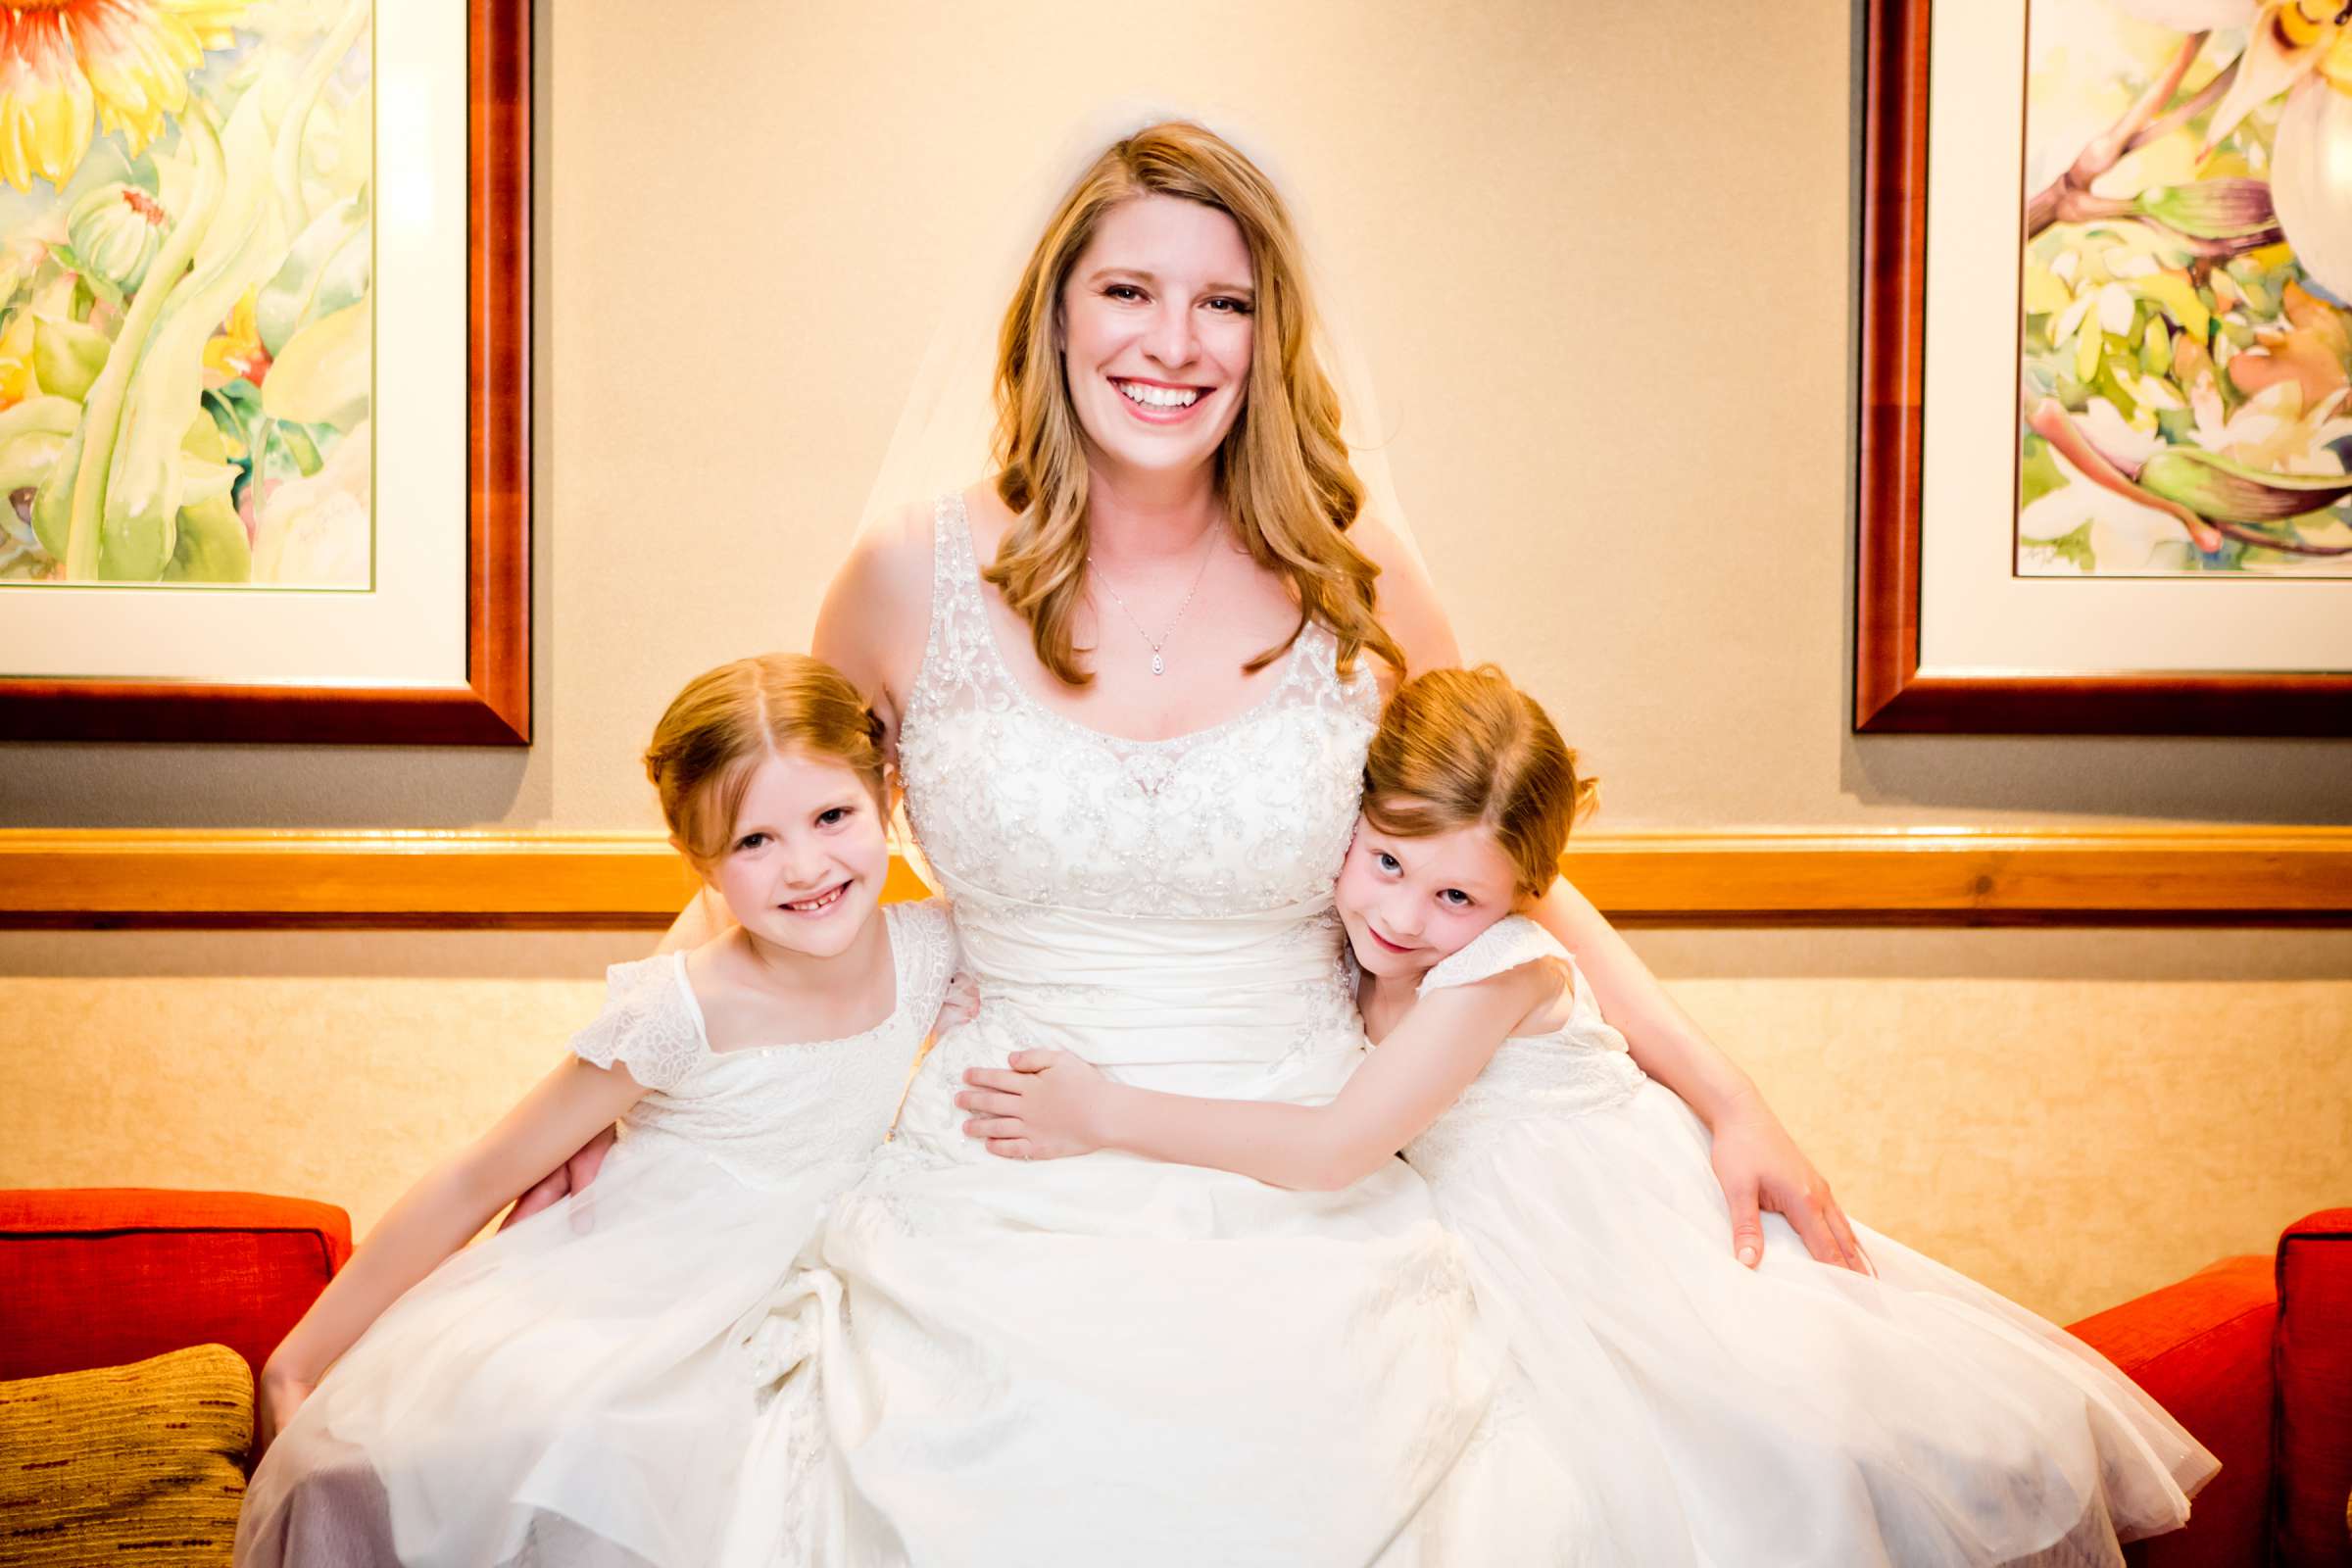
1296	1047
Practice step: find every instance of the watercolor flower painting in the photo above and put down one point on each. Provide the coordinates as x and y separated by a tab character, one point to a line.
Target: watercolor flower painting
2185	366
186	301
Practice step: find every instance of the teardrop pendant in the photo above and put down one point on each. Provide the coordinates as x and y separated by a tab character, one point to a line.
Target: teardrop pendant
1158	667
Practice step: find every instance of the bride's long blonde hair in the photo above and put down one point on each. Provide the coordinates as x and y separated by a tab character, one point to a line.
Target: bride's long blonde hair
1282	469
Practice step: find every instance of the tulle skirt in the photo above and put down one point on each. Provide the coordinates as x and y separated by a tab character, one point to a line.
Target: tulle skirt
608	1383
1798	1413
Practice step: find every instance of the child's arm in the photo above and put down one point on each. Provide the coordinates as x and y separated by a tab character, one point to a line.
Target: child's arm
1758	1162
434	1218
705	917
1053	1103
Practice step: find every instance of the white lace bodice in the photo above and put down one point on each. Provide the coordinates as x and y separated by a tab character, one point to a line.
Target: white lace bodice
1580	1066
1009	798
1162	908
770	1113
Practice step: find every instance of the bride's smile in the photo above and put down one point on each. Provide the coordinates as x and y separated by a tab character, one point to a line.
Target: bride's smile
1157	335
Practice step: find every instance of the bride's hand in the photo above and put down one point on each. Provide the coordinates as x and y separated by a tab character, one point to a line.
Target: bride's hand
1043	1104
959	1006
572	1176
1761	1167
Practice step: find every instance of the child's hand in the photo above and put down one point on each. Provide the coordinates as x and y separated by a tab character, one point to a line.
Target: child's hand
961	1006
1043	1104
276	1396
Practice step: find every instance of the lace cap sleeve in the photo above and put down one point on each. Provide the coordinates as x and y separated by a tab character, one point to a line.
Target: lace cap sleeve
923	936
649	1023
1508	943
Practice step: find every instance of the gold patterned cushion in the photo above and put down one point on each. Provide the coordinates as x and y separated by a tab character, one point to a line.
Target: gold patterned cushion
135	1463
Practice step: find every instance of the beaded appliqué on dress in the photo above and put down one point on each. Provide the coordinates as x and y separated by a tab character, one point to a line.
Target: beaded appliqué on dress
1008	796
1581	1066
770	1113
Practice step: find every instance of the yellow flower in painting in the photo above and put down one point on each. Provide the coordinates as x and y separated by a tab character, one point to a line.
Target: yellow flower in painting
17	379
123	64
236	351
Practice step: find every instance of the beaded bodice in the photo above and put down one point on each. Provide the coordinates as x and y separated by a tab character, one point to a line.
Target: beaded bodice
1011	799
770	1113
1162	908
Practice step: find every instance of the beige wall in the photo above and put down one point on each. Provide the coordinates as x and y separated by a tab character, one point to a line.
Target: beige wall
1604	269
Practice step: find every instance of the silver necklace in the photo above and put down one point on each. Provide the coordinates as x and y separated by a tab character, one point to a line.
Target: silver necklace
1160	666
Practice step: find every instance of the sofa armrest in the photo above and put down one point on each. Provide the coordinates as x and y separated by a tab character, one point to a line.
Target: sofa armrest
107	1276
2202	1349
2315	1389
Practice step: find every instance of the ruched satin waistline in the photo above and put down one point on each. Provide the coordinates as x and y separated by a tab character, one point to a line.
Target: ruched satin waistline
1158	990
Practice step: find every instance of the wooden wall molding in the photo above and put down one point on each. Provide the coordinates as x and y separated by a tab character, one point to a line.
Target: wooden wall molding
115	879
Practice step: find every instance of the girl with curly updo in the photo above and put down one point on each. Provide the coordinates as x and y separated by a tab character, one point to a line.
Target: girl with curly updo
592	1385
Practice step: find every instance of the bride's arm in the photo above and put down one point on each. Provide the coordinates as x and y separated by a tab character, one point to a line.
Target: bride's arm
1049	1104
877	611
1755	1159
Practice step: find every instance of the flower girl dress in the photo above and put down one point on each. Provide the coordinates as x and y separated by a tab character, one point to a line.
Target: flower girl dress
607	1383
1795	1413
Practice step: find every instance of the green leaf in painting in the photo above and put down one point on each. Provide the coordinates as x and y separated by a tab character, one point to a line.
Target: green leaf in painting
301	448
212	546
53	501
2068	549
327	269
323	375
234	406
2214	486
2038	472
68	356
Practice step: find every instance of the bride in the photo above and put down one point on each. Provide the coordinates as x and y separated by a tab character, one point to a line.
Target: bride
1130	681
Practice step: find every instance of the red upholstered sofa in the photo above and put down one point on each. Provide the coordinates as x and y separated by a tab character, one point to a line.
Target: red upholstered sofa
2253	1354
104	1276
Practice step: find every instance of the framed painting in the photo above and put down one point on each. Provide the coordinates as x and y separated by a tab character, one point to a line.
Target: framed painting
2106	379
264	372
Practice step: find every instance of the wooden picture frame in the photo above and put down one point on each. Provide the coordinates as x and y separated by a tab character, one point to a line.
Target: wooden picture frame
1891	691
493	708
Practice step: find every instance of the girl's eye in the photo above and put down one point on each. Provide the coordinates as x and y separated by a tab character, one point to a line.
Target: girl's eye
1226	305
833	817
750	841
1455	898
1384	861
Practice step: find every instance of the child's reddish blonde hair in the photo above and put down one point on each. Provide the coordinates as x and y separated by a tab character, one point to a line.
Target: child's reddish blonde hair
727	720
1465	748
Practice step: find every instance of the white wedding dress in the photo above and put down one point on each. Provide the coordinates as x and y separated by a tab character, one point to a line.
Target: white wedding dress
1105	1359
